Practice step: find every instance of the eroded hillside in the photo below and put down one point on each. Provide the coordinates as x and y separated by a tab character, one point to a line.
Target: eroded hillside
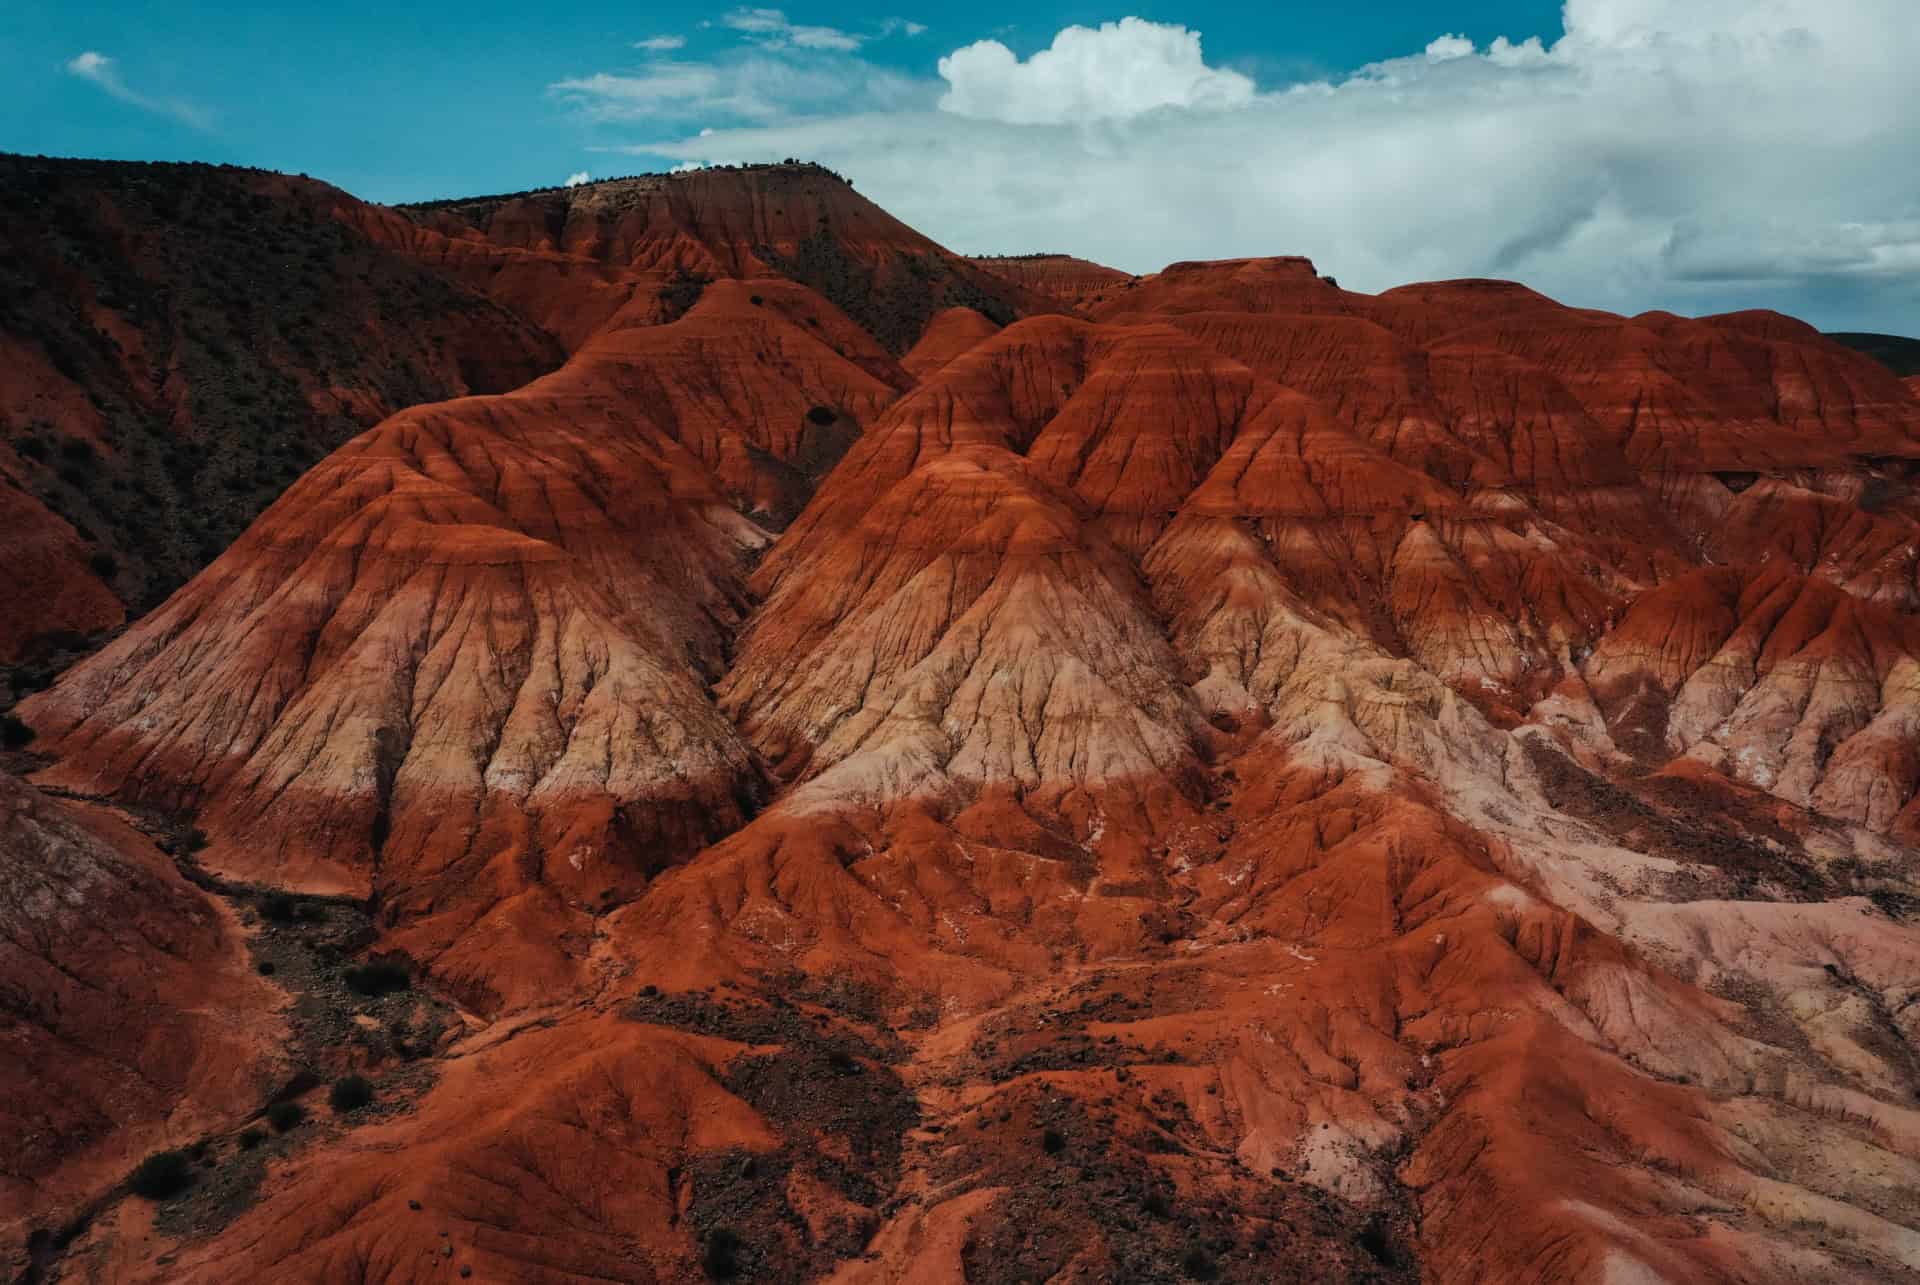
1211	777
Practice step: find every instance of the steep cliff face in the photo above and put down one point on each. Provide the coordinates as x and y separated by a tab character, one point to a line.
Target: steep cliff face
1252	781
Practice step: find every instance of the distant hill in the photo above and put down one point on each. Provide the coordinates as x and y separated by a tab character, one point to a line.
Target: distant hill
178	344
1901	354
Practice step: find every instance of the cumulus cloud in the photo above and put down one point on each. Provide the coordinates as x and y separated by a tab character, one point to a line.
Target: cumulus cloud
578	178
661	44
1113	72
1690	154
104	72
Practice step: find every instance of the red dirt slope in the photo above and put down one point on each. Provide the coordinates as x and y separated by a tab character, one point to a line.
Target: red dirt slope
1258	783
133	1022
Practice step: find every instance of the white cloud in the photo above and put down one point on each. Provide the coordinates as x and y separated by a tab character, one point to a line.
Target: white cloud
755	84
1120	70
104	72
1692	154
661	44
901	26
775	31
578	178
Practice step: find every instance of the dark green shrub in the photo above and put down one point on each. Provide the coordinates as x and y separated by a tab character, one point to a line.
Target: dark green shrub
1199	1265
1053	1142
163	1174
821	415
14	734
251	1137
279	907
720	1256
286	1115
378	977
350	1093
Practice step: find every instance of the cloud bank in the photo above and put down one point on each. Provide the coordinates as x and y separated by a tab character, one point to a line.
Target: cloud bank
1691	154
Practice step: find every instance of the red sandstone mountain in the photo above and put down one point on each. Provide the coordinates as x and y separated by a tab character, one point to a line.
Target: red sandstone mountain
1077	282
1253	782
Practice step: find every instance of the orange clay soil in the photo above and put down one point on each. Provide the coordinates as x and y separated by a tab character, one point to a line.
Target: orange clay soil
1253	782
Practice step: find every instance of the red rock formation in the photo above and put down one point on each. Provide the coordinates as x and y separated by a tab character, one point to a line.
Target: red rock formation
948	335
1078	283
1368	788
486	613
791	220
133	1019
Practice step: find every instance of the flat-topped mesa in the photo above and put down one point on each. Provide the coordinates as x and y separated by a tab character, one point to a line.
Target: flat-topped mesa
1281	284
1077	282
720	220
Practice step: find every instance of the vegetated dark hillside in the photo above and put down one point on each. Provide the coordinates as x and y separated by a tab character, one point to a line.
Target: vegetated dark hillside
180	342
1898	353
793	219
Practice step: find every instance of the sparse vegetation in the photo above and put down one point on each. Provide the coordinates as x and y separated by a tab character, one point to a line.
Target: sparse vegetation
251	1137
821	415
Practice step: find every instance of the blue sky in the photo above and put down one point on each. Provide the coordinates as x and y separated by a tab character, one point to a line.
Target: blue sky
406	101
1697	155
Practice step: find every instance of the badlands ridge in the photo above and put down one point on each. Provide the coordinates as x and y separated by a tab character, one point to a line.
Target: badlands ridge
861	764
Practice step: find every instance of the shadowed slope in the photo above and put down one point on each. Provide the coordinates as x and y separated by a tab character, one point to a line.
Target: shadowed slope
178	343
